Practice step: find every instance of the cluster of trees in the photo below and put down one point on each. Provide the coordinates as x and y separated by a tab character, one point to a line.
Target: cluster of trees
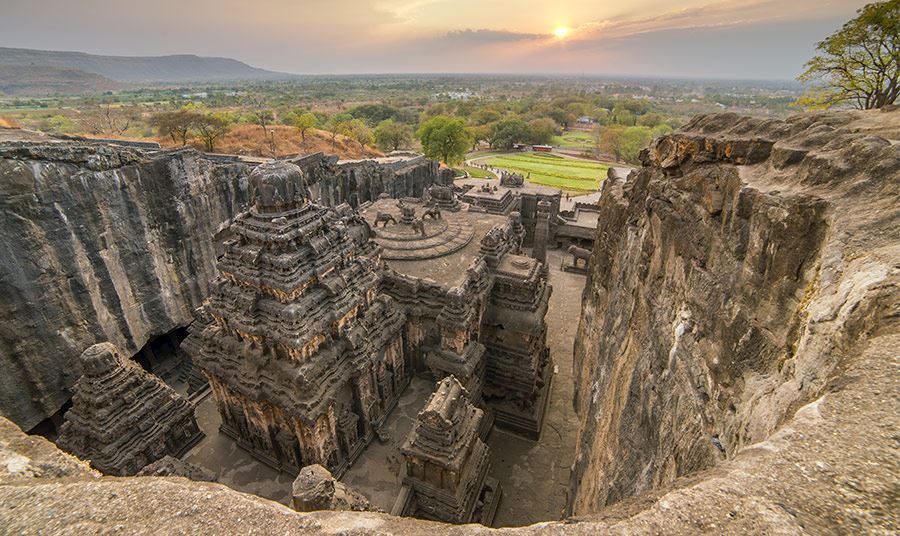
193	121
446	129
624	144
367	124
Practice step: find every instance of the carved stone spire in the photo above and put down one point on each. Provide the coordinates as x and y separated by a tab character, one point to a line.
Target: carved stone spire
122	417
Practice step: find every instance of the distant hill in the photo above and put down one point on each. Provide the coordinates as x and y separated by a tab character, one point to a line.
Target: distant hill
42	80
140	69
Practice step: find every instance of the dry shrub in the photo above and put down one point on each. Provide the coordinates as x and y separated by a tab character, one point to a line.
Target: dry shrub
249	140
6	122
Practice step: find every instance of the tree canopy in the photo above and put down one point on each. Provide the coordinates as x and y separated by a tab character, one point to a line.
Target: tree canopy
858	64
445	138
304	122
390	135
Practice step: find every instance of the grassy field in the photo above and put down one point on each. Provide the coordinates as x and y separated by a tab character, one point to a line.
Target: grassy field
552	170
575	139
475	172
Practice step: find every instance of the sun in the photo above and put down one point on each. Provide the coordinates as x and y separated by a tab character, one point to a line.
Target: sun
561	32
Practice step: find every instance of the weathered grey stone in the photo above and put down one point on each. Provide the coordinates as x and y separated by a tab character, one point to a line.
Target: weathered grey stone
728	287
123	418
171	466
99	242
315	489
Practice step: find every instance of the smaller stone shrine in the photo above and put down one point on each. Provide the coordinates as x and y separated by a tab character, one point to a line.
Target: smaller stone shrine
447	462
511	180
124	418
442	197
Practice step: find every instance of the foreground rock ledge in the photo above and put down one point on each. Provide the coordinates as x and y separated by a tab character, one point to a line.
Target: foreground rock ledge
834	465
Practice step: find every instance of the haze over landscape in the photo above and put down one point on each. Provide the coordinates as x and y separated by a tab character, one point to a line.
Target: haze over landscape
742	39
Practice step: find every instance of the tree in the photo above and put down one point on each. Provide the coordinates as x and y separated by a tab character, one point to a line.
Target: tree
650	120
176	124
632	141
210	127
481	133
562	117
445	138
860	63
485	116
509	132
373	114
660	130
622	116
541	131
304	122
338	124
610	141
391	136
263	118
360	131
108	119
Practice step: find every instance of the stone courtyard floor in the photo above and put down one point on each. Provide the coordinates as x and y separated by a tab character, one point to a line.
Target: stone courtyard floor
378	472
236	469
534	475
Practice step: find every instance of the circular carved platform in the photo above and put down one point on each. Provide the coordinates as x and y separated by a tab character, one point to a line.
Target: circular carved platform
442	237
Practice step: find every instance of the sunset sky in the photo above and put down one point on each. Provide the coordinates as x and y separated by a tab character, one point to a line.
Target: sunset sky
768	39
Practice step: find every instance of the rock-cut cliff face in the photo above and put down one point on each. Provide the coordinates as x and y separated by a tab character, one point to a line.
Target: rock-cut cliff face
108	243
99	243
734	276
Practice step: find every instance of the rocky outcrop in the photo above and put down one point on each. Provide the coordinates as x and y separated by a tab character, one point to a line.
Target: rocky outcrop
316	489
735	277
170	466
101	242
360	181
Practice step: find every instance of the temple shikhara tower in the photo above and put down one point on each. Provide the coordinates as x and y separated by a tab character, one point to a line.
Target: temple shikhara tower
447	462
122	417
304	355
514	333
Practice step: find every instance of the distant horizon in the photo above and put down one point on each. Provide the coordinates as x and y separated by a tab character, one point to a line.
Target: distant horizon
552	75
760	40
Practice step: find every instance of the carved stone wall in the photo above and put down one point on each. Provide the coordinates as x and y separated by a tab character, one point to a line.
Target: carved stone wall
114	243
304	356
123	418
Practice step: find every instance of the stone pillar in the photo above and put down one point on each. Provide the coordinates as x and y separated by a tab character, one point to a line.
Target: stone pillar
541	231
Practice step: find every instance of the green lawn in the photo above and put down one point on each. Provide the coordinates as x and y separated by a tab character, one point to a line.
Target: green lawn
575	139
551	170
475	172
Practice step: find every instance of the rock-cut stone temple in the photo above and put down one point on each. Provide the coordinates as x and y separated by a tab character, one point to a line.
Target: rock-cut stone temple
122	417
304	355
